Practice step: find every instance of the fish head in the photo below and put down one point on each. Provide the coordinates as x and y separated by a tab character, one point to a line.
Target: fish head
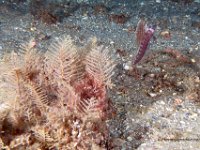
150	29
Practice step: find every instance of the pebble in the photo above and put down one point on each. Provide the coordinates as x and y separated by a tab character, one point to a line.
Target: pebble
193	60
196	79
157	69
165	76
127	67
193	116
152	94
182	122
85	18
111	42
165	34
152	75
4	107
190	50
128	127
174	94
179	83
129	138
33	29
162	102
142	3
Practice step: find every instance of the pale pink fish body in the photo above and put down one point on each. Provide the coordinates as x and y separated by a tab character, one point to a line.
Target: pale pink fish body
143	46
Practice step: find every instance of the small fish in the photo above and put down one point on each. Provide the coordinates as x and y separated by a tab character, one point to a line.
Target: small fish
143	39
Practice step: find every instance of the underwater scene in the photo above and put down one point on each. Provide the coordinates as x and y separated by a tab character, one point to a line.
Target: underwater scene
99	74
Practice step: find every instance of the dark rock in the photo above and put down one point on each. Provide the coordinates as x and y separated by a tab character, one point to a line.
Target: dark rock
183	1
195	24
